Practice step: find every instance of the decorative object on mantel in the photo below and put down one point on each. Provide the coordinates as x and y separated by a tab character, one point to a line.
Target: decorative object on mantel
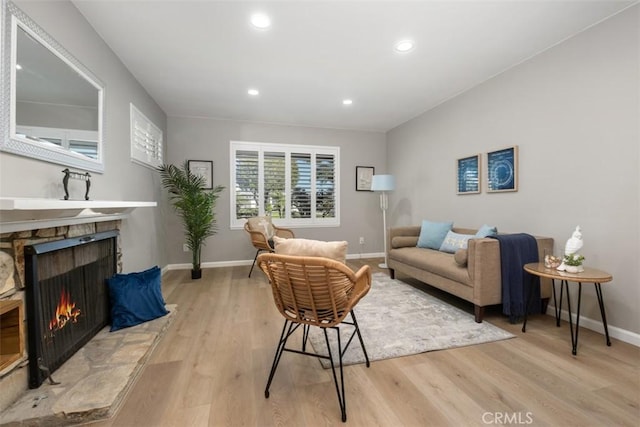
572	260
194	204
75	175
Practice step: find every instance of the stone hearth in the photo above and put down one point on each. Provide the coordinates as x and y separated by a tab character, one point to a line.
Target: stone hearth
94	381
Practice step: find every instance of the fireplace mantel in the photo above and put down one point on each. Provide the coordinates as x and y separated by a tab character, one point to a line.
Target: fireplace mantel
21	213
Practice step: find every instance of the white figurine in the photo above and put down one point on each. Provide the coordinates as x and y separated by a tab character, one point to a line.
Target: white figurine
573	245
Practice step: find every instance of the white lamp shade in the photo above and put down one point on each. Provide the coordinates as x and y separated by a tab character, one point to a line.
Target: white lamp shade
383	183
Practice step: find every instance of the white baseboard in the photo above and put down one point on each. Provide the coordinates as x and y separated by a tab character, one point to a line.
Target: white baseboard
208	265
596	325
369	255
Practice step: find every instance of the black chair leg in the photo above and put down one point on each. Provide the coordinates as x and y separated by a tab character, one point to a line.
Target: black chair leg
279	350
339	388
305	336
254	262
364	350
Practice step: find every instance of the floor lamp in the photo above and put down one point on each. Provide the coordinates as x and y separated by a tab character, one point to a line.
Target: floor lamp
383	183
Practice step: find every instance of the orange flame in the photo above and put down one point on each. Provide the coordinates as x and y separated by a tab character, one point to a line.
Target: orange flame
66	312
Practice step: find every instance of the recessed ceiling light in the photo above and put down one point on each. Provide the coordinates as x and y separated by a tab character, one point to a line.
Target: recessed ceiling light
347	101
253	92
18	67
260	20
404	46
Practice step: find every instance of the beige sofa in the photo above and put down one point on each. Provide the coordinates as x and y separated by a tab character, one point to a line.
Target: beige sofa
479	281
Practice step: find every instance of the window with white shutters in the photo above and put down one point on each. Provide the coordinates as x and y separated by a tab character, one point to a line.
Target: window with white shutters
274	184
297	185
146	140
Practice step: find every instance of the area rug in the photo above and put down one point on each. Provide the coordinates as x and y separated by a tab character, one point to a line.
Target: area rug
397	320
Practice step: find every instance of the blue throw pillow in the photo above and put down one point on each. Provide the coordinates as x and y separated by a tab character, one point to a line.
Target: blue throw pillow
151	275
454	241
432	234
135	298
486	231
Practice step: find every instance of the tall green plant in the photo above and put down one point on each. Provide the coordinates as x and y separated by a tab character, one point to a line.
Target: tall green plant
194	205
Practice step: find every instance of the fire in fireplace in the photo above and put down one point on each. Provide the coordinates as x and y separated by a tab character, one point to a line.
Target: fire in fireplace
67	298
66	312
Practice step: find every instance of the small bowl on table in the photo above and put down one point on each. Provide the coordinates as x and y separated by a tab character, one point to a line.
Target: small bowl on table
552	261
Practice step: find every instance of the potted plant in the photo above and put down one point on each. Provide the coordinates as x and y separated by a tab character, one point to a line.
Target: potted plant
194	205
573	263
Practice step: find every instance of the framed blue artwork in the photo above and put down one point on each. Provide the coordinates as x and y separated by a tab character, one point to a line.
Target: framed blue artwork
468	175
502	170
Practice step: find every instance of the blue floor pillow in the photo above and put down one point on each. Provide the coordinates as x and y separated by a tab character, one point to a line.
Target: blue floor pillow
135	298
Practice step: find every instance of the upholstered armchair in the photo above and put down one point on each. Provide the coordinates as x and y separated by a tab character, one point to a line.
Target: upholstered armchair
261	231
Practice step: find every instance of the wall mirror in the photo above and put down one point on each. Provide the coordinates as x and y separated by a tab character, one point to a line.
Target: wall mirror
56	105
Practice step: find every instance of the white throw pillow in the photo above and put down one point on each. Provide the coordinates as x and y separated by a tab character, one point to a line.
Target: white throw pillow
262	224
305	247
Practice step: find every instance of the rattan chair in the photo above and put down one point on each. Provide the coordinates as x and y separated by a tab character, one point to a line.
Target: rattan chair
313	291
259	229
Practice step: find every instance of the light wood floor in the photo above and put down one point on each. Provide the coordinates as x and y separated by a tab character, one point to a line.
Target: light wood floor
211	367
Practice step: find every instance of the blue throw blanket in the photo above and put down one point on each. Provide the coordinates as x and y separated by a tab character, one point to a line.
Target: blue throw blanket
516	250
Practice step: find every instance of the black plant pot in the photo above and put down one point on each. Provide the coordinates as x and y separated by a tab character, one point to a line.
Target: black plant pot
196	274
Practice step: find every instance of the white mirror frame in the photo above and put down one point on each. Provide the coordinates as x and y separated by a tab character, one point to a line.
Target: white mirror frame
11	17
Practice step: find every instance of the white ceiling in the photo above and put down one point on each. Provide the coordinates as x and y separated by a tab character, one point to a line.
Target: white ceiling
198	58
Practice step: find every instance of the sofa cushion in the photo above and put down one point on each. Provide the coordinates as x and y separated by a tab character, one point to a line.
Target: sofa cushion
433	261
487	230
432	234
404	241
305	247
460	257
454	241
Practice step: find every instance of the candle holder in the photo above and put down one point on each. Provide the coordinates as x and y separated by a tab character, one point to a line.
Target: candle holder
75	175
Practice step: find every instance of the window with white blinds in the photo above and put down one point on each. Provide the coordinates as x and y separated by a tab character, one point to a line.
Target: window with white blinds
297	185
146	140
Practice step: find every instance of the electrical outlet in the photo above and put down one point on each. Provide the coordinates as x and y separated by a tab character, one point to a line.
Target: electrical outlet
185	247
362	240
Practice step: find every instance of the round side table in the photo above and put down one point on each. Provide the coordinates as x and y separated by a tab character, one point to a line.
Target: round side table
589	275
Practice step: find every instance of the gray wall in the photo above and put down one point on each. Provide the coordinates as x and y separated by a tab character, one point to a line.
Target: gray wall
142	244
574	113
208	139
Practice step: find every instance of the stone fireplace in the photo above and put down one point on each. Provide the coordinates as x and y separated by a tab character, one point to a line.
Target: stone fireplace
27	222
14	309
